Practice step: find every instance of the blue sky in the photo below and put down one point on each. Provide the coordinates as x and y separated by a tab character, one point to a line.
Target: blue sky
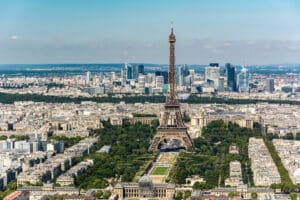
105	31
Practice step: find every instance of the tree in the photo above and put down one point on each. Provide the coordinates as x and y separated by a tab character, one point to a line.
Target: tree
273	186
3	137
298	136
143	115
68	141
272	136
155	123
287	187
187	194
106	194
186	117
56	198
254	195
11	185
19	137
179	196
11	98
293	196
288	136
233	194
99	183
12	136
201	186
98	194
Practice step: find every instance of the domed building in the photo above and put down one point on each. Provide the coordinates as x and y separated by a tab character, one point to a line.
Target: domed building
145	188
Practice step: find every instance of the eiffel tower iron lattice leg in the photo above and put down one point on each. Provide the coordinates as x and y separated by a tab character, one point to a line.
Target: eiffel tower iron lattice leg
172	130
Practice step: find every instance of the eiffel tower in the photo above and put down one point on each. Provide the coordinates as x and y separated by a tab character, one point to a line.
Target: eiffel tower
172	133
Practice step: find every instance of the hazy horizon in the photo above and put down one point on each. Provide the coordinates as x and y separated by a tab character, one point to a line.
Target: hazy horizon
148	63
241	32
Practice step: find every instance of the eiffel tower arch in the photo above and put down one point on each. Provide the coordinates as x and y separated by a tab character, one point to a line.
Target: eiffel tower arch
172	133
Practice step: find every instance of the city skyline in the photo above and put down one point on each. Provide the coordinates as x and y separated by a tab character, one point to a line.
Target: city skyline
136	130
253	32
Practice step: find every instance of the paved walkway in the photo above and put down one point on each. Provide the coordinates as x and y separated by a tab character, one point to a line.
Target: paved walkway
165	159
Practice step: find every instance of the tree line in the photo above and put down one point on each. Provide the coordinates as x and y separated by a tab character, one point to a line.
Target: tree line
9	98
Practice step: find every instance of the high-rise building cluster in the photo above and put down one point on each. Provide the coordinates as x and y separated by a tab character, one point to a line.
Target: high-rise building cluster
134	76
187	80
228	81
130	72
231	81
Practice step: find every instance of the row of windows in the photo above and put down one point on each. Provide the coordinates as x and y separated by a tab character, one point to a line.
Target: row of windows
134	192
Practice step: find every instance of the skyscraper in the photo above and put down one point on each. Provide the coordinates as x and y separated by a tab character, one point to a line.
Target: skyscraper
192	73
231	77
164	74
126	72
214	64
141	81
129	72
149	78
270	85
141	69
123	75
159	81
212	75
179	76
221	85
88	78
185	70
136	70
243	80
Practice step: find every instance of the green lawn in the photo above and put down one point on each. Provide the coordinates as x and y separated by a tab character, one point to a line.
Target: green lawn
160	171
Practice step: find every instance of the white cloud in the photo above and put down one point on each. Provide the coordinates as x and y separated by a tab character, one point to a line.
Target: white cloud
149	45
250	42
194	51
227	43
14	37
217	51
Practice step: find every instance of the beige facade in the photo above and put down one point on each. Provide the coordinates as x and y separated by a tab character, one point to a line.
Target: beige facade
144	189
143	120
244	192
116	120
201	120
38	192
235	173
